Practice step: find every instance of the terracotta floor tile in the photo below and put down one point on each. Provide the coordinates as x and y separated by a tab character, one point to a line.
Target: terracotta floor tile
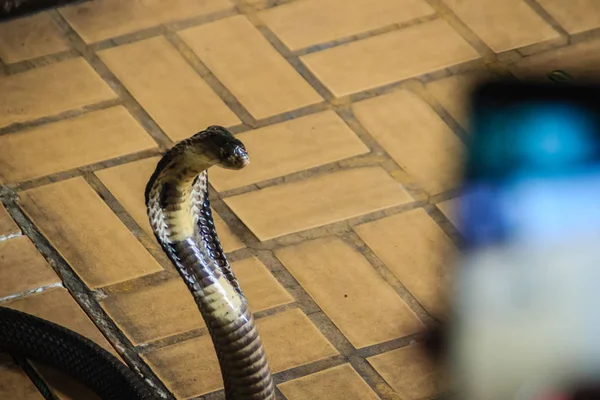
289	147
50	90
454	92
288	208
63	386
349	290
290	340
188	368
72	143
337	383
16	385
390	57
23	268
416	138
581	61
87	233
229	240
246	63
127	183
154	312
575	16
57	305
503	25
8	228
261	288
448	208
408	372
308	22
168	88
103	19
191	368
30	37
417	251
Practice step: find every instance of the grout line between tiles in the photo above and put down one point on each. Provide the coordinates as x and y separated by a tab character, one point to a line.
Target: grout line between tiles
361	36
380	348
26	65
362	160
307	369
141	282
10	236
65	115
76	172
420	90
82	294
255	6
3	68
220	395
545	15
155	344
592	34
35	377
25	293
444	223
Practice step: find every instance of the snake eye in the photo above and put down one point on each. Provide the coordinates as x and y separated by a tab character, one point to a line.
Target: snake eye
240	156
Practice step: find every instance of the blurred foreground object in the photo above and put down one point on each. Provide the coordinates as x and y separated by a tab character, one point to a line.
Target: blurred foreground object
525	314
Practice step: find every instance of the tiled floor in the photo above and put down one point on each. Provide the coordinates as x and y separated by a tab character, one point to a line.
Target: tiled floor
340	230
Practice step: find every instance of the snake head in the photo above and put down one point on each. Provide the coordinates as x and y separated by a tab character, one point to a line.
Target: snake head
221	148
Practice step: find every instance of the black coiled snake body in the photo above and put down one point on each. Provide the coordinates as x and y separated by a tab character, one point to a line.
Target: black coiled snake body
180	215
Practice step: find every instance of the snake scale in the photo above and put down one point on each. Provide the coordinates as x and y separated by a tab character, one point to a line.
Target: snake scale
180	215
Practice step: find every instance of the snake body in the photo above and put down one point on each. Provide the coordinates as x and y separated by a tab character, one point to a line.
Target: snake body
180	215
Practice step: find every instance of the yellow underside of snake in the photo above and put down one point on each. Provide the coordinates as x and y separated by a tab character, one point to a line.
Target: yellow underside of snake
179	211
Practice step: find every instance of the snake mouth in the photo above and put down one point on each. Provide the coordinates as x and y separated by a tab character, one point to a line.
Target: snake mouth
238	159
241	162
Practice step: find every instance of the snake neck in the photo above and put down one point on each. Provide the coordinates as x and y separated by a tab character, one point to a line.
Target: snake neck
179	211
180	216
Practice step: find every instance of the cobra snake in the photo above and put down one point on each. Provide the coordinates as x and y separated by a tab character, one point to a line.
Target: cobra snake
180	215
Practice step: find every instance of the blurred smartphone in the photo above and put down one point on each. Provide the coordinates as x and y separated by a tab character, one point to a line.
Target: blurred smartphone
527	297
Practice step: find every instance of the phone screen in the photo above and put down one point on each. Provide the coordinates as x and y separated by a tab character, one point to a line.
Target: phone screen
528	288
